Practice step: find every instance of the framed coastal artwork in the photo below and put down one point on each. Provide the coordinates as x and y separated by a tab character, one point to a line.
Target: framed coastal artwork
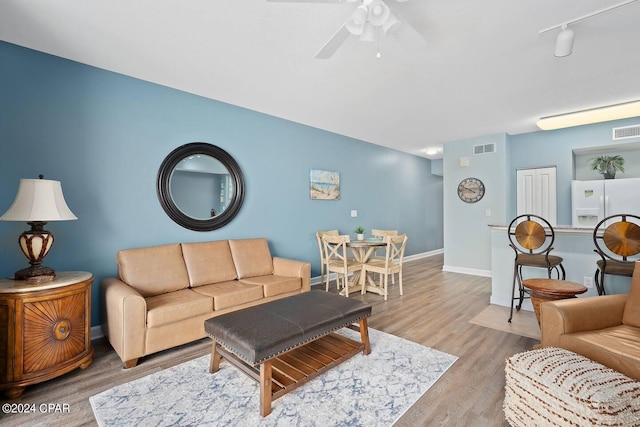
324	185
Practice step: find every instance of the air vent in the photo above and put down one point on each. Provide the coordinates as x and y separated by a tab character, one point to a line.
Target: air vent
626	132
484	148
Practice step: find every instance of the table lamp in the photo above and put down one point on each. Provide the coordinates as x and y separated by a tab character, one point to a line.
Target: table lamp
37	202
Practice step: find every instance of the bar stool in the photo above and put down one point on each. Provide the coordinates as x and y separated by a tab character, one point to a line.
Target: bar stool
531	237
617	240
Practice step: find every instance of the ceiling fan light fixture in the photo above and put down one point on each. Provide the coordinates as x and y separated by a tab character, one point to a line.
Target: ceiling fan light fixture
379	13
369	33
391	25
356	22
564	42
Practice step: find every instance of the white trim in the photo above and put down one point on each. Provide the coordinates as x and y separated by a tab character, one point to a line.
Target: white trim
464	270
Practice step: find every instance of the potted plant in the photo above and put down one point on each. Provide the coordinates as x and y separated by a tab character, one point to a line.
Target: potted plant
608	165
359	233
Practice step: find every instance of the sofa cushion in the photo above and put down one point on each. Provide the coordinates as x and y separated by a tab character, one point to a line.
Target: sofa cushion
251	257
275	285
172	307
154	270
208	262
617	347
231	293
631	315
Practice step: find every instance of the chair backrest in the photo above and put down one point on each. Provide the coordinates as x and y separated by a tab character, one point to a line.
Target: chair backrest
395	249
531	234
617	237
335	248
319	235
383	233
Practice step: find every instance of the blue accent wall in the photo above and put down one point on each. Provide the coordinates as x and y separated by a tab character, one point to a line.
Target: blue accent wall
104	136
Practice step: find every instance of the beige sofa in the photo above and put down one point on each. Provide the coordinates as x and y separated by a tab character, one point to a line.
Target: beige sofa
163	294
604	328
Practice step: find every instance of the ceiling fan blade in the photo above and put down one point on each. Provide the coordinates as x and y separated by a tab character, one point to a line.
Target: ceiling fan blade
334	43
408	35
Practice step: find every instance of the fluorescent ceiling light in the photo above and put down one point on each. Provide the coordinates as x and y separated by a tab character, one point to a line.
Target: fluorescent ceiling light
596	115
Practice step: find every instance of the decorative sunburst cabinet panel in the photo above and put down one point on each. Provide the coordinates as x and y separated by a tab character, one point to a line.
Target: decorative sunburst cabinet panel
45	329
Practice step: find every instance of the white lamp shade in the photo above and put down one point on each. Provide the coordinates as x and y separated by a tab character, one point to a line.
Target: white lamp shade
355	23
378	13
391	25
39	200
564	42
369	33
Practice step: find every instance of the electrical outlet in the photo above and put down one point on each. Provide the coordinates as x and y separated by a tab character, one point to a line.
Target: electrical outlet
354	213
587	281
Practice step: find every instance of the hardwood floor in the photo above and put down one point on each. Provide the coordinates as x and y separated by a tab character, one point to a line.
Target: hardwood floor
434	311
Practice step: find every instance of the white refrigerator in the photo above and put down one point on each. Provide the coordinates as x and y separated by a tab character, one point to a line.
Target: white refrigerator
592	201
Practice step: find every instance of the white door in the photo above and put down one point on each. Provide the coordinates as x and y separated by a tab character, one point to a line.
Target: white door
536	193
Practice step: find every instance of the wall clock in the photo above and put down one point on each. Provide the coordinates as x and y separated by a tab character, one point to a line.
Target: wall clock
470	190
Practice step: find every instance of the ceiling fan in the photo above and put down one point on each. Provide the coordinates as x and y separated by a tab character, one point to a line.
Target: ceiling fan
369	21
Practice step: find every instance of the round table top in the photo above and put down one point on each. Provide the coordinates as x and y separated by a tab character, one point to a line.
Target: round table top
553	286
366	243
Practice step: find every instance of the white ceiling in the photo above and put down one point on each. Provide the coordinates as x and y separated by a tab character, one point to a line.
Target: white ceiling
484	67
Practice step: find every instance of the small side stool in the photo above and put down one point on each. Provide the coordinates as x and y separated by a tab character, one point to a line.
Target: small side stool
554	386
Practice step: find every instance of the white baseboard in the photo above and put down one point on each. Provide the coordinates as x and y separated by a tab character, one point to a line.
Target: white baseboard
469	271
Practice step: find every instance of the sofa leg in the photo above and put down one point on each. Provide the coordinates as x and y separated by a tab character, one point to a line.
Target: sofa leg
130	363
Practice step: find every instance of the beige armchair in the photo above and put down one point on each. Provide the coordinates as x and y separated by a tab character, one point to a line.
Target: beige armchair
604	328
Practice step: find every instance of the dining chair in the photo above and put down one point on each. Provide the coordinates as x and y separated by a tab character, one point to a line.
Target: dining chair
617	240
531	237
391	264
323	255
382	234
337	261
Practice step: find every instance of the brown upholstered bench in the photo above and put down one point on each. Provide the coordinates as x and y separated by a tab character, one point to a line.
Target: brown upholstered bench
285	343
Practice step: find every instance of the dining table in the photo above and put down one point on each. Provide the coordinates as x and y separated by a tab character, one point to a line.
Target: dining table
362	251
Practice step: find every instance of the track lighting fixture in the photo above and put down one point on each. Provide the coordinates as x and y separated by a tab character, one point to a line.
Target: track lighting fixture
564	40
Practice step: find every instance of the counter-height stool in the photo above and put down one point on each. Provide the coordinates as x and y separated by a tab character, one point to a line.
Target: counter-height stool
617	240
531	237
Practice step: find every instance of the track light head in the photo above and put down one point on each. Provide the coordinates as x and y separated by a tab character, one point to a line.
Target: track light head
564	42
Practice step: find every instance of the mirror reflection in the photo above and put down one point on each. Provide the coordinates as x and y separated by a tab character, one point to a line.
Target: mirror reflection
201	186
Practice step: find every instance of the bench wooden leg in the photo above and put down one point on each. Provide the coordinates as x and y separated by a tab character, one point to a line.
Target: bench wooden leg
265	388
364	335
215	358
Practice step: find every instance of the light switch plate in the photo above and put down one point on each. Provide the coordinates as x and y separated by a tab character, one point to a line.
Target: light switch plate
354	213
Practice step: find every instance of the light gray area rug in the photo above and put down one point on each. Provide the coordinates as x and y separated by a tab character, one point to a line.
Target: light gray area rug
373	390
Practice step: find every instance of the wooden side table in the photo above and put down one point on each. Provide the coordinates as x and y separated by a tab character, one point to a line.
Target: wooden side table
45	329
542	290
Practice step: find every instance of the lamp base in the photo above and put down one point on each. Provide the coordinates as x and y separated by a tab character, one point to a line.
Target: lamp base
35	274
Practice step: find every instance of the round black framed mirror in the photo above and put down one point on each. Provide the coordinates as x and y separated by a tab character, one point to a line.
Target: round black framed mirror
200	186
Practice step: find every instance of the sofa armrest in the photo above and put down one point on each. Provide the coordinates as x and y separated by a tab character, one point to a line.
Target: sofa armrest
124	318
579	314
292	268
